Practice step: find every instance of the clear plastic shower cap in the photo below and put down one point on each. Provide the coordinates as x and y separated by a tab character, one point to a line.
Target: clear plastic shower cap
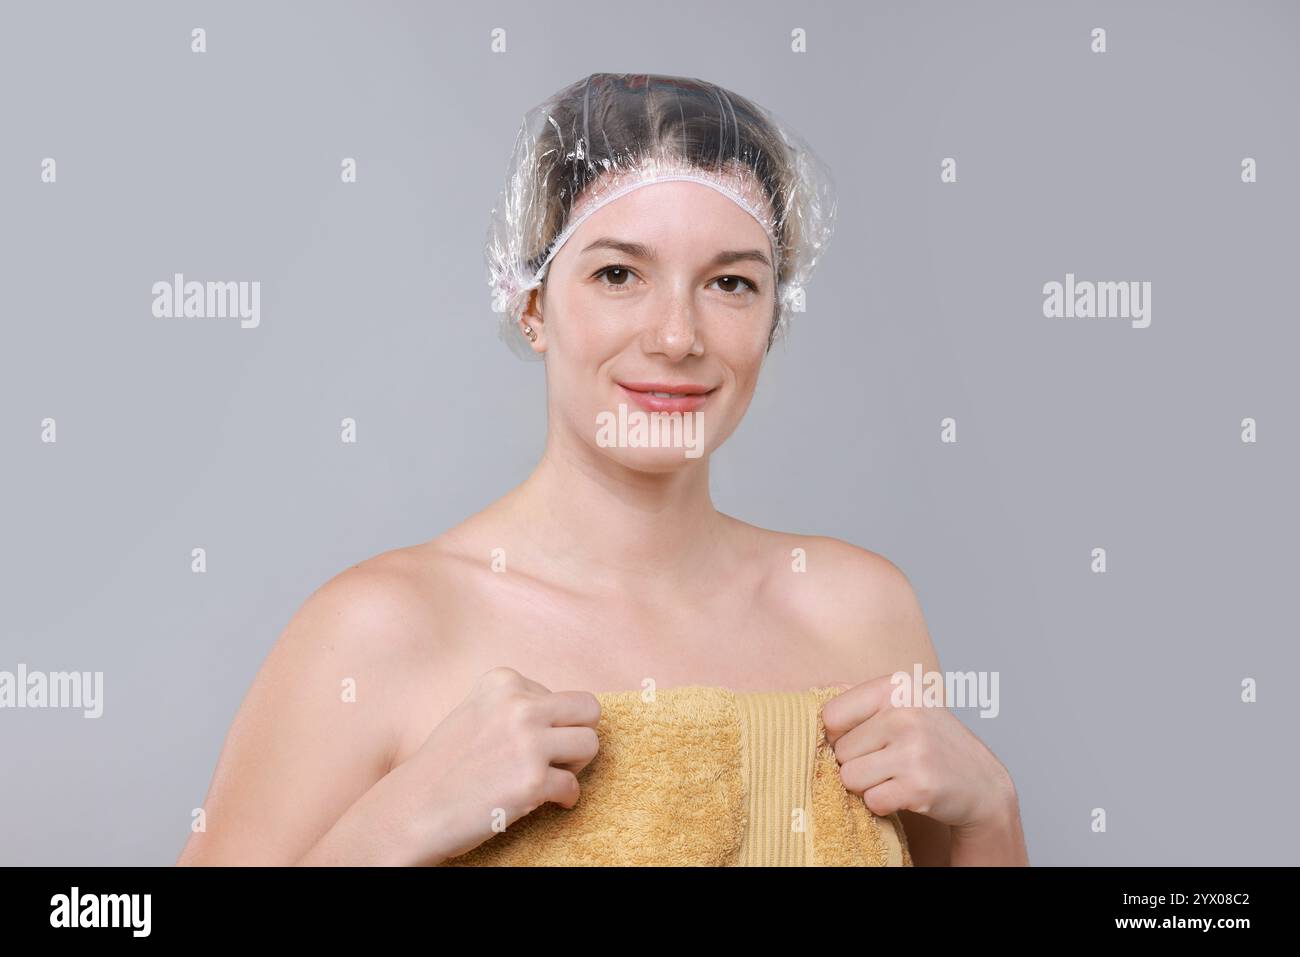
604	136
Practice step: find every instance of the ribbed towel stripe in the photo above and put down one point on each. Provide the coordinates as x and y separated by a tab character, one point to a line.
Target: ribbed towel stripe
780	729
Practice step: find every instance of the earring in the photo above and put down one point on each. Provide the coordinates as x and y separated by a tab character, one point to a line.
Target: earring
530	332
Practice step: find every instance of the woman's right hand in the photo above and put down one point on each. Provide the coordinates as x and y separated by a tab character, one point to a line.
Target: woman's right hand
508	748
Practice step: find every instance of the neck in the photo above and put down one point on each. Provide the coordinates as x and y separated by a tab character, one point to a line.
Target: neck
595	522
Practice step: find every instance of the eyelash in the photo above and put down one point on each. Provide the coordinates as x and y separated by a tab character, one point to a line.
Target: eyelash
753	287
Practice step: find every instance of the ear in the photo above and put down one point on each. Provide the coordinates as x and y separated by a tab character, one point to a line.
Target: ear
532	318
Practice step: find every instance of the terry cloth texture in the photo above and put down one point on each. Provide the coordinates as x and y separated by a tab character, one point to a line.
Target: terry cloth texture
705	776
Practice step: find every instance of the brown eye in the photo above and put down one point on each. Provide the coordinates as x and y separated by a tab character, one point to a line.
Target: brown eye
616	275
735	285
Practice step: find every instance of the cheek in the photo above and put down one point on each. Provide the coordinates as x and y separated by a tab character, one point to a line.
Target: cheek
741	339
742	330
586	327
747	375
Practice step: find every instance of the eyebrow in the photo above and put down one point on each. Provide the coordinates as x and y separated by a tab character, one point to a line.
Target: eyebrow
642	251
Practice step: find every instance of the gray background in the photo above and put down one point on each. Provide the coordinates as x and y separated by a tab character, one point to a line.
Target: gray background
1118	691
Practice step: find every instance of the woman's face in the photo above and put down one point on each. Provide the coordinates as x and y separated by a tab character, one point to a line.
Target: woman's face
669	288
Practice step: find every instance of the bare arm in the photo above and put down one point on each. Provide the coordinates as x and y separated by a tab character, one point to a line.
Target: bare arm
932	843
902	639
897	639
301	776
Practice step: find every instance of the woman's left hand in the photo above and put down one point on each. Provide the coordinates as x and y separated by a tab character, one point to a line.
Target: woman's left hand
918	758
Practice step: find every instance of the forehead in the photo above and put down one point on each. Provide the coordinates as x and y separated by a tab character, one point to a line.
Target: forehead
688	202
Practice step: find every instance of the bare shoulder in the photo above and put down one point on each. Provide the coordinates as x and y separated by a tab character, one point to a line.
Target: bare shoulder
391	616
323	716
864	603
362	624
392	602
380	605
880	613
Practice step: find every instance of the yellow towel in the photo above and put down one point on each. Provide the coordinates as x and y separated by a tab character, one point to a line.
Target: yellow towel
705	776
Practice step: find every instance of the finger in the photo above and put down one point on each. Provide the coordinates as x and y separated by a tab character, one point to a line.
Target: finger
571	748
850	708
571	708
561	787
865	738
885	798
864	773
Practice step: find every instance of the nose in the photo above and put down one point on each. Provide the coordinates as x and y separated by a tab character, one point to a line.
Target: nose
674	333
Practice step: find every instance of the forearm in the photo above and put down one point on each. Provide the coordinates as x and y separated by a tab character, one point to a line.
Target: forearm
376	831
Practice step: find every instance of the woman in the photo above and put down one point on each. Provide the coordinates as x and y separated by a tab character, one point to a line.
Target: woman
650	245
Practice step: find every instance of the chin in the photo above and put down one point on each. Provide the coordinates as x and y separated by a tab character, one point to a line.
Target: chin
656	460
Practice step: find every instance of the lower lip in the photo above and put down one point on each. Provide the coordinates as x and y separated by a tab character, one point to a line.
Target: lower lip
658	403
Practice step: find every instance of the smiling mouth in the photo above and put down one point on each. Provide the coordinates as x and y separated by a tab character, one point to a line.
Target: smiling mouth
667	390
668	396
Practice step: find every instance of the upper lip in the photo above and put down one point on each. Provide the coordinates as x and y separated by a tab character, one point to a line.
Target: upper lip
681	388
